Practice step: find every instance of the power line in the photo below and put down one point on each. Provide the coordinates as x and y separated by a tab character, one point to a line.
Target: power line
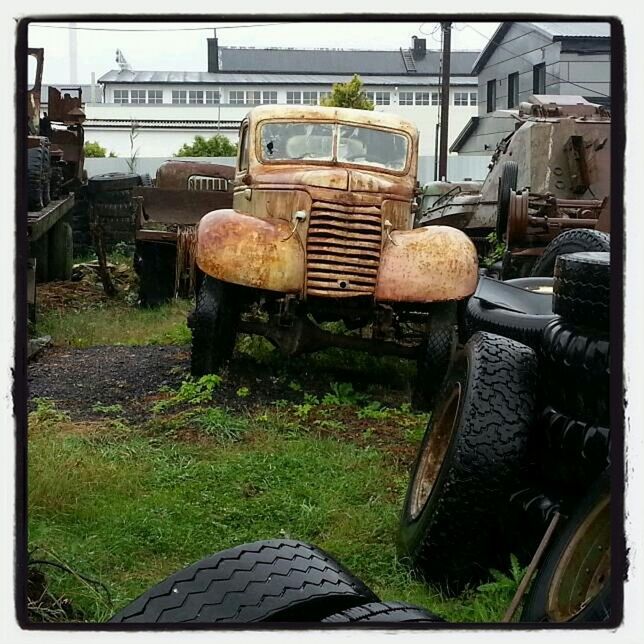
270	24
563	80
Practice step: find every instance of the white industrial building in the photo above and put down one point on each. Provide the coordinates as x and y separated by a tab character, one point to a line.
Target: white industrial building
156	112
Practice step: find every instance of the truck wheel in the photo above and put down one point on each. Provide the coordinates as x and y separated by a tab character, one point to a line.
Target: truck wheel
46	180
581	292
214	326
571	241
436	354
35	176
146	180
576	372
570	585
454	525
265	581
507	183
384	613
113	181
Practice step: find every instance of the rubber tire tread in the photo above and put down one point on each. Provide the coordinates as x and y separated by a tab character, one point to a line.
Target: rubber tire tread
576	372
214	326
384	613
275	580
521	327
507	182
35	177
570	241
581	290
463	530
113	181
534	608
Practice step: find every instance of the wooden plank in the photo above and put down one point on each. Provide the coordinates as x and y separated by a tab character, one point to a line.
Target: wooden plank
38	223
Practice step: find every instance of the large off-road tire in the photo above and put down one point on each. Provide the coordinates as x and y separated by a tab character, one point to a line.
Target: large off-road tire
571	241
35	178
155	265
521	326
454	525
571	583
582	289
113	181
384	613
266	581
436	354
576	372
507	183
214	326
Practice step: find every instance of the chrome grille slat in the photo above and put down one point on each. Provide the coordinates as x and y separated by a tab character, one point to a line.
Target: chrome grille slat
343	249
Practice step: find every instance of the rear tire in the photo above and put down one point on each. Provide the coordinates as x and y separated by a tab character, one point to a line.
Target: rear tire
570	241
214	326
507	183
265	581
384	613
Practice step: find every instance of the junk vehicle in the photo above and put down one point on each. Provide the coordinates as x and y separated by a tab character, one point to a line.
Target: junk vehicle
550	175
183	192
54	174
321	230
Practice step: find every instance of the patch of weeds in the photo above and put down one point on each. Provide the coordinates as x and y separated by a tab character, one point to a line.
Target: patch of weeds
46	413
218	423
258	348
343	393
191	392
295	386
108	410
303	410
374	411
496	252
333	425
243	392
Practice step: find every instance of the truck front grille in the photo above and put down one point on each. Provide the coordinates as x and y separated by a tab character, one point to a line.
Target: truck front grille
343	250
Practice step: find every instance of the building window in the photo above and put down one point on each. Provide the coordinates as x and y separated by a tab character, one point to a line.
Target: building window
310	98
406	98
137	96
293	98
212	97
121	96
253	98
269	98
474	98
155	96
461	99
422	98
236	97
539	79
371	96
195	97
513	90
382	98
436	97
179	96
491	95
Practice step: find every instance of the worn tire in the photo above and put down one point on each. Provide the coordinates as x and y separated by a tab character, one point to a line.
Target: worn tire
265	581
146	180
536	607
116	197
35	176
507	183
576	372
581	293
113	181
214	326
384	613
571	241
436	354
46	180
454	526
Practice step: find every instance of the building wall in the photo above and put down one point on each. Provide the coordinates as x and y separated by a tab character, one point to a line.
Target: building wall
591	71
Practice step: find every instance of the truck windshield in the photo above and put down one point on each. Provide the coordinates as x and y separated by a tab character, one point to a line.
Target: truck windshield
355	144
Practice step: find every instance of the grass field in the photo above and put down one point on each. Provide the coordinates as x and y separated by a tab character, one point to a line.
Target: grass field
129	501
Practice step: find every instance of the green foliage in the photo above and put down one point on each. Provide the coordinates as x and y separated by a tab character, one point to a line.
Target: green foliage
342	393
218	423
348	94
100	408
46	413
191	392
242	392
215	146
374	411
94	150
497	250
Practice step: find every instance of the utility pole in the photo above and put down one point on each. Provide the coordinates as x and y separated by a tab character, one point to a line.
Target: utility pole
445	85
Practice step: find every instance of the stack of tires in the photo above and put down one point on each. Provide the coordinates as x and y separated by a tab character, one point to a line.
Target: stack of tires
38	175
518	434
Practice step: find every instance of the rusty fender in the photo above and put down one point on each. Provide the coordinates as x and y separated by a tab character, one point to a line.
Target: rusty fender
430	264
259	253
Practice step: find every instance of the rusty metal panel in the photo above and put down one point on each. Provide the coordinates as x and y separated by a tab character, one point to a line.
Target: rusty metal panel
175	174
65	108
260	253
430	264
180	206
208	184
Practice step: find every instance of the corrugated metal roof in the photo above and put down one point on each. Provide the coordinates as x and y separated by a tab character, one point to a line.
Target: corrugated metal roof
337	61
574	29
156	123
198	78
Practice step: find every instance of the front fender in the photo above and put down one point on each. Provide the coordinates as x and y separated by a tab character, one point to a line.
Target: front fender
430	264
259	253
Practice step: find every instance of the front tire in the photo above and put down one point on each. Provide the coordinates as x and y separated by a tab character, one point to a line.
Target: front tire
214	326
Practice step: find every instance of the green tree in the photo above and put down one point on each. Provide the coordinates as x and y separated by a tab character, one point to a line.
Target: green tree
215	146
348	95
93	150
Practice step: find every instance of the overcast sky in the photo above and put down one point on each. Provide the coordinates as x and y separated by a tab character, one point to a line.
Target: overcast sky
186	50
